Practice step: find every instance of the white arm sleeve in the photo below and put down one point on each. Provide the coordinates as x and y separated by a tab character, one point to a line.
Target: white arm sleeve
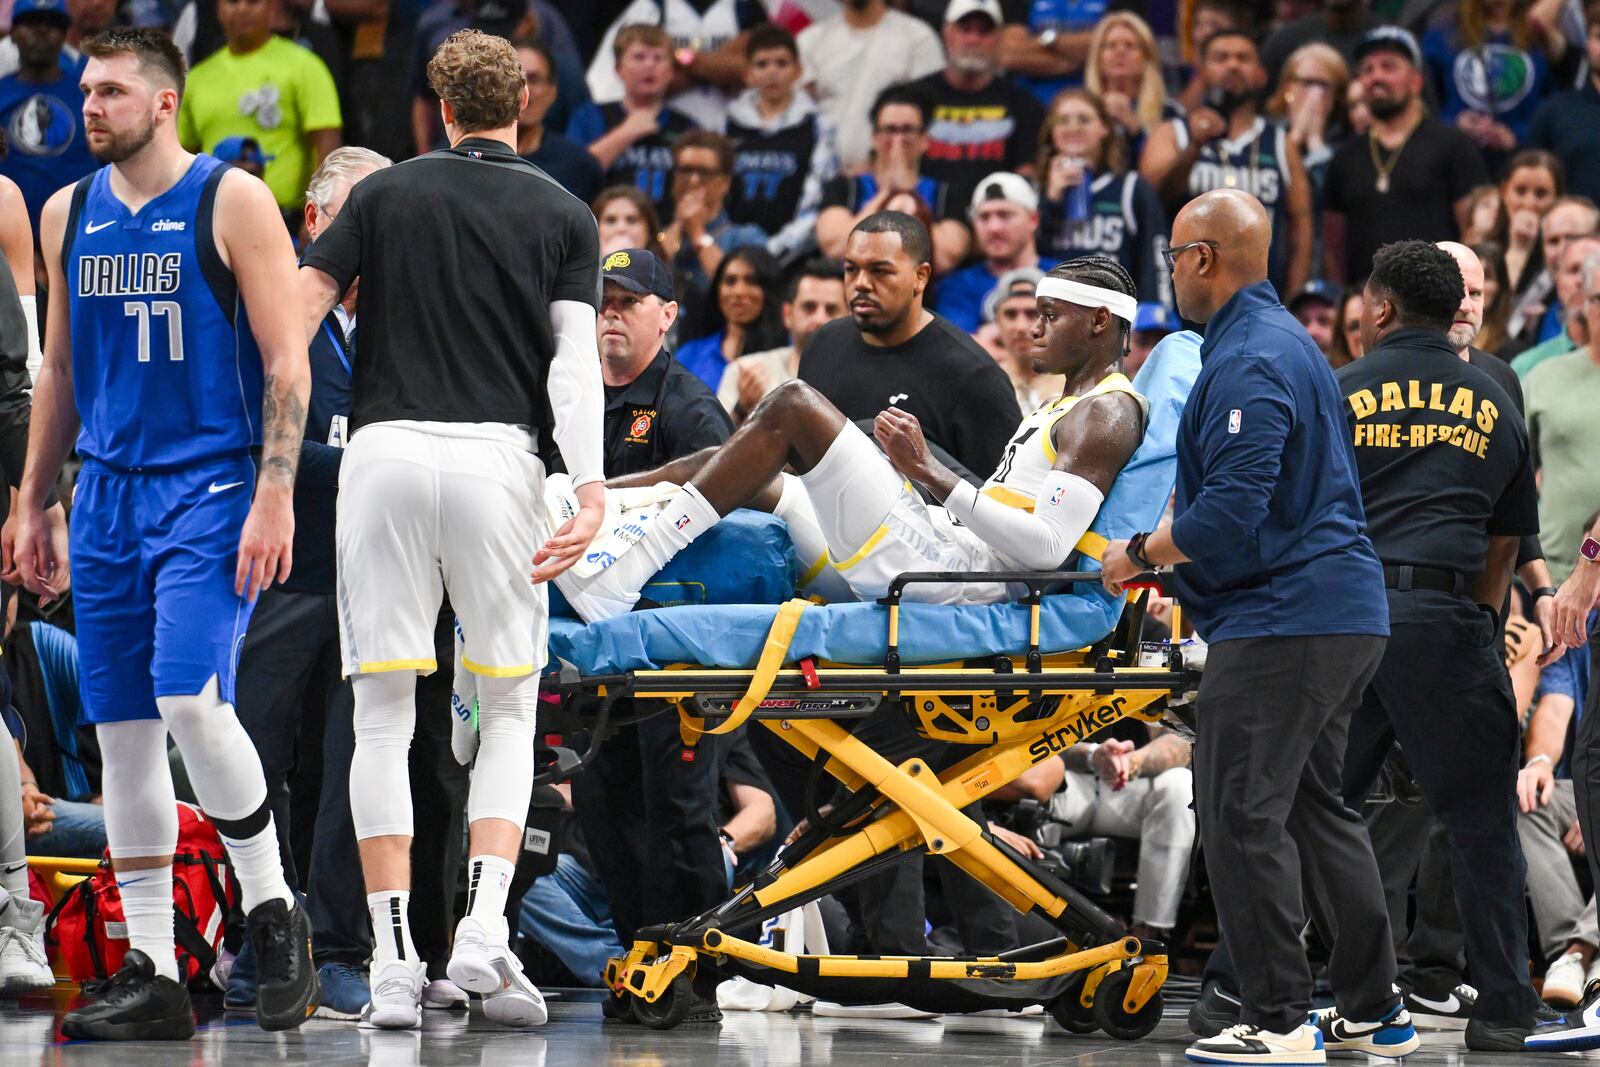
30	313
576	392
1042	541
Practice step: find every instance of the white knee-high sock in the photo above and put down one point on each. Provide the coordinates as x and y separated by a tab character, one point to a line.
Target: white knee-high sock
227	778
488	882
141	823
380	781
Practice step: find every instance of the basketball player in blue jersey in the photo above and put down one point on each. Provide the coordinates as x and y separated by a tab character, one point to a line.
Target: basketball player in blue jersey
154	262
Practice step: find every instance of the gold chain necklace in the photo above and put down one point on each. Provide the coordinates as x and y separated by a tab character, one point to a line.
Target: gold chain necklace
1385	169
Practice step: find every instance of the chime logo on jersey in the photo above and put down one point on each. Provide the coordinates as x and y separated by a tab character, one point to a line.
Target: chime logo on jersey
1470	434
1235	420
129	274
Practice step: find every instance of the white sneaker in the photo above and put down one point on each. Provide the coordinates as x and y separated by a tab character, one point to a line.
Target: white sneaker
1243	1044
481	962
1563	981
23	965
396	1002
441	994
829	1009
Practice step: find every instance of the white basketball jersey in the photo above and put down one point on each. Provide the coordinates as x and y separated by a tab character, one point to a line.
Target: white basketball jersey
1031	453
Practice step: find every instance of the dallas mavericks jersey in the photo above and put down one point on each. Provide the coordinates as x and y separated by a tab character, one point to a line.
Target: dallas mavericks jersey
1031	453
1256	161
166	372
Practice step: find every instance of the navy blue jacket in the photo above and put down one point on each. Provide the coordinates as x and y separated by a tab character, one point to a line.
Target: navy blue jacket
316	488
1269	503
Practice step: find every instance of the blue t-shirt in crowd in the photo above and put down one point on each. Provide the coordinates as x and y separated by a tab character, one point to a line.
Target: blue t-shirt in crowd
1063	16
1499	78
961	294
45	144
703	358
1269	502
1569	677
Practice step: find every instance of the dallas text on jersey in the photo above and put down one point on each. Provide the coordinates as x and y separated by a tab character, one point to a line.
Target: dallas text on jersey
129	274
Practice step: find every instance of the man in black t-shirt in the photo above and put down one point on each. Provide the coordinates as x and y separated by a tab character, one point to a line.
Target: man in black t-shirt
982	121
1447	482
1409	177
478	290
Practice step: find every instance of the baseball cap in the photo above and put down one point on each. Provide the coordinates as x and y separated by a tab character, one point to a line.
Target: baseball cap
1024	278
1389	39
1316	289
1004	185
1154	316
241	150
957	10
638	271
55	10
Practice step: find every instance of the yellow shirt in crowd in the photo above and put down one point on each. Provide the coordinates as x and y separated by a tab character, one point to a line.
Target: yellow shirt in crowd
276	94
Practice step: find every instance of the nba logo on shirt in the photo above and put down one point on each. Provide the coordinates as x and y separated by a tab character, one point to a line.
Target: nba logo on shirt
683	521
1055	497
1235	419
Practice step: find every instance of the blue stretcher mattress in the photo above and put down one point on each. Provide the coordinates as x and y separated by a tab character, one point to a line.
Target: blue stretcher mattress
732	635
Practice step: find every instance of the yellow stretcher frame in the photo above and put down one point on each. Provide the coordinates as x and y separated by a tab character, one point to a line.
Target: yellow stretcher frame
1022	710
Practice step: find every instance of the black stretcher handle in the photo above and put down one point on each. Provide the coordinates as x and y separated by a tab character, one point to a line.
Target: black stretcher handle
1036	581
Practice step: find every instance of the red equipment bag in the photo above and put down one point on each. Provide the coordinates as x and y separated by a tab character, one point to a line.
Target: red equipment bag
87	935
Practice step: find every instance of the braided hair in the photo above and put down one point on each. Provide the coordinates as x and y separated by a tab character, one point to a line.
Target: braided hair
1105	273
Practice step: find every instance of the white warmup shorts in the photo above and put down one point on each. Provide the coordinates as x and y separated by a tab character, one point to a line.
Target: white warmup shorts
874	527
429	506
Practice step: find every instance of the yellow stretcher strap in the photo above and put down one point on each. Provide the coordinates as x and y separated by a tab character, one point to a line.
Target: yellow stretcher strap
1092	545
773	656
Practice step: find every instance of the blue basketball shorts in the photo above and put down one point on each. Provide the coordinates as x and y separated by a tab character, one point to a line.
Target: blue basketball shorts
153	562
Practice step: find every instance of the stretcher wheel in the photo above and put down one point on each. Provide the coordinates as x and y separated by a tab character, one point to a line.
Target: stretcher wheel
668	1010
1113	1018
1068	1010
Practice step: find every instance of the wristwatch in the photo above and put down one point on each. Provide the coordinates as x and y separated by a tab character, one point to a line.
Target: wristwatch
1136	551
1590	550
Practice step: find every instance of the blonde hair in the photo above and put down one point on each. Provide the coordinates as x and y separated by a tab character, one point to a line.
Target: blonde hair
480	77
1152	93
1329	57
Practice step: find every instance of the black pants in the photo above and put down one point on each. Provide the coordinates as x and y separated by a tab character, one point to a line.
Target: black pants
1586	757
290	697
1273	714
646	806
888	908
1443	694
1410	844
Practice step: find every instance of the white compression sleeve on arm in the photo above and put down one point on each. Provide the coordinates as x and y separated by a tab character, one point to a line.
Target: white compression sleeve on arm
1042	541
30	312
576	392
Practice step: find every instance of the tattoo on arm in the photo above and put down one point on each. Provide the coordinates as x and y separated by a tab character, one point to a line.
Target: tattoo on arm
283	418
1164	753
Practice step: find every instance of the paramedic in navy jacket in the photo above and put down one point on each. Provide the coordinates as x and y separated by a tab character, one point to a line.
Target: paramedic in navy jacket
1276	572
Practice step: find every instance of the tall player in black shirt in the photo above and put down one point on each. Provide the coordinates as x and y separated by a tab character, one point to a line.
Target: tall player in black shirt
1447	481
479	280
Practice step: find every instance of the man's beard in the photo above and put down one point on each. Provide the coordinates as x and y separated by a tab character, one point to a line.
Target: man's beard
973	62
1387	107
124	146
1460	337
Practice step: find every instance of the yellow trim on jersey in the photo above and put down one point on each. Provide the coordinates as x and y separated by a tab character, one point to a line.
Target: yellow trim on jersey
1009	497
382	665
812	571
1115	382
497	672
864	550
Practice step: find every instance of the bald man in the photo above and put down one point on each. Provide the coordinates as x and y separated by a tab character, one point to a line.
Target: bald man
1277	574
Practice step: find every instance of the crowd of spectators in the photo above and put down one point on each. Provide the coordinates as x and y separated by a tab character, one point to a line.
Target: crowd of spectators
741	141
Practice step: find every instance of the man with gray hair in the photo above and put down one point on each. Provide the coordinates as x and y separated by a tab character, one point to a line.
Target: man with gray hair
289	665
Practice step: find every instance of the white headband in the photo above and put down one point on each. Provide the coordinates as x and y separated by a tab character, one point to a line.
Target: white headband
1090	296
